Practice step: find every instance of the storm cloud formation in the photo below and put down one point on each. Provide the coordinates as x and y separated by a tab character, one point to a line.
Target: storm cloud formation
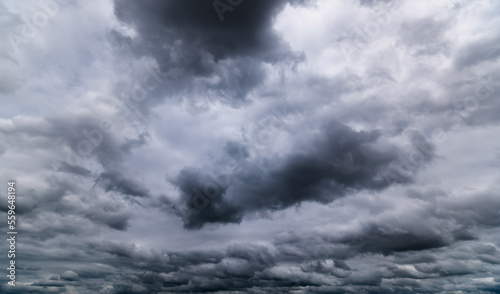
338	162
251	146
200	51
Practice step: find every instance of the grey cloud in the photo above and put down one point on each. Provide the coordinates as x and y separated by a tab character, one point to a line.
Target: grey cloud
338	269
434	230
115	181
248	267
485	49
9	83
426	36
252	253
311	174
70	276
66	167
482	210
109	216
131	255
189	42
68	202
237	150
373	2
389	240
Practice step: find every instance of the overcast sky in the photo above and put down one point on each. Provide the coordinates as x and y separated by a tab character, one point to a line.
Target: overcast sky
251	146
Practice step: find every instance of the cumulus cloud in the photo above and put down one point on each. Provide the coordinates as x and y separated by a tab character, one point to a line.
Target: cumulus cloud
339	162
202	53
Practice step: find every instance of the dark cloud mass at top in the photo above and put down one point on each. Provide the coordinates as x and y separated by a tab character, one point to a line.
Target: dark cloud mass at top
251	146
189	42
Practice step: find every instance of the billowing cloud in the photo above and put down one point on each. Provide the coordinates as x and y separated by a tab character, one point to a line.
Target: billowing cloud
207	48
340	161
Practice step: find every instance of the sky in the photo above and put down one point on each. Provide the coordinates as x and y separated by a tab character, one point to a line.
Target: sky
251	146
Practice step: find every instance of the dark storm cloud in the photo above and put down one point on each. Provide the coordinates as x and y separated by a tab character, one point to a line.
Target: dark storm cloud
310	173
150	271
423	241
189	42
432	229
388	240
191	182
